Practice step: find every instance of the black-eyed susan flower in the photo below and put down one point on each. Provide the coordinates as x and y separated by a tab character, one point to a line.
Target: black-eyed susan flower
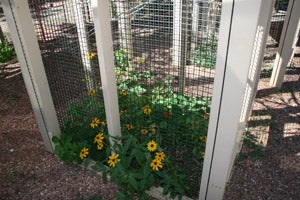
203	138
151	146
103	123
153	128
202	154
113	159
92	92
160	156
95	122
100	145
142	60
84	152
156	164
129	126
99	138
144	131
147	110
90	55
123	93
123	111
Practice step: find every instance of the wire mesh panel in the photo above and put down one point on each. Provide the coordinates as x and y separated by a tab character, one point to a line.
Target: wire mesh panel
278	17
67	42
165	55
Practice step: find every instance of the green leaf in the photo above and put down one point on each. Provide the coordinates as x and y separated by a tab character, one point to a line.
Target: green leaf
55	139
127	145
133	182
139	157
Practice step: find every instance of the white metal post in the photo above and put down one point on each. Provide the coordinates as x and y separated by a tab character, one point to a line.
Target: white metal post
78	8
180	26
106	61
237	54
195	24
24	38
287	43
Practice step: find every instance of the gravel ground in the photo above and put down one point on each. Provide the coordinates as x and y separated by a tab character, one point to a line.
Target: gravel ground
27	171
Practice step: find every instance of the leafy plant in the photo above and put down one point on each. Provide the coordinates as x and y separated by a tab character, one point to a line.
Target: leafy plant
156	125
6	52
252	149
205	55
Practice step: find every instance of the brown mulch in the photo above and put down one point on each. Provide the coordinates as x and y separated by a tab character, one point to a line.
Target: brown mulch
27	171
275	122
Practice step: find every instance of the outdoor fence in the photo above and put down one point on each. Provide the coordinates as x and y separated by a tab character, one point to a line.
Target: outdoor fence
165	68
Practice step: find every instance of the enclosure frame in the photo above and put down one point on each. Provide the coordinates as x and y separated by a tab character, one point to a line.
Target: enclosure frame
231	86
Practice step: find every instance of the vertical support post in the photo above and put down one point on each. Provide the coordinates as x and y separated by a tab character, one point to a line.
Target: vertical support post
100	9
24	38
124	23
180	27
83	41
287	43
237	63
195	25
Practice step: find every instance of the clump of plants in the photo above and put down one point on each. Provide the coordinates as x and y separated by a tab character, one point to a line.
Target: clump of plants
7	51
205	54
251	147
156	125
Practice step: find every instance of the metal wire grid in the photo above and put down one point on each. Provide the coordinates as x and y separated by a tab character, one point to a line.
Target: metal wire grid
149	38
278	17
59	41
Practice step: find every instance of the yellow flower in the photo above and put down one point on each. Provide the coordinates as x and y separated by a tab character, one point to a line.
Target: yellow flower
123	93
144	131
142	59
123	111
90	55
92	92
156	164
203	138
151	146
202	154
99	138
95	122
84	152
129	126
147	110
113	159
100	145
85	80
160	156
103	123
153	128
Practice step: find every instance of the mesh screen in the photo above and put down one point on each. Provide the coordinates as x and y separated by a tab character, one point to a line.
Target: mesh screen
165	57
169	50
66	42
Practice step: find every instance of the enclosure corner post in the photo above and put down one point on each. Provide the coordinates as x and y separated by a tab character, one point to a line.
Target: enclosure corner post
287	43
106	63
238	63
180	29
19	20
